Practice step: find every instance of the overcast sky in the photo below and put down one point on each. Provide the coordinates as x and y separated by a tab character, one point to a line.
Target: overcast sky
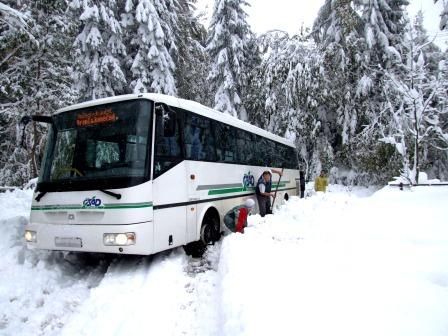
289	15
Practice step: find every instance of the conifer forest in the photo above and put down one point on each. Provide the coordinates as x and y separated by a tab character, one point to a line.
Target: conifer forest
363	92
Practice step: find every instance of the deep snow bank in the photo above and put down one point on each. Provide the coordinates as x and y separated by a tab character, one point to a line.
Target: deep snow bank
336	264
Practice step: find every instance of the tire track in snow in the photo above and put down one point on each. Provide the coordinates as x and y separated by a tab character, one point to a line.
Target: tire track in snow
39	290
166	294
203	314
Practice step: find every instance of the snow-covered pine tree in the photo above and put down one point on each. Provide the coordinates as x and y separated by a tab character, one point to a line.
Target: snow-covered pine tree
433	54
265	98
14	36
287	95
359	40
34	79
337	30
381	34
416	104
192	60
444	15
306	98
274	89
99	49
12	19
252	61
151	25
228	38
307	95
383	24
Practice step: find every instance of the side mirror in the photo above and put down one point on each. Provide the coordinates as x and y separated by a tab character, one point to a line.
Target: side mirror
167	118
25	120
43	119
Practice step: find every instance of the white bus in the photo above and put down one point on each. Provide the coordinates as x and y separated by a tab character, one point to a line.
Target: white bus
142	173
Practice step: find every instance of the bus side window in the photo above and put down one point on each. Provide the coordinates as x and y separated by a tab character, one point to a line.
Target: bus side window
292	154
208	142
279	154
199	142
225	143
260	151
167	142
245	147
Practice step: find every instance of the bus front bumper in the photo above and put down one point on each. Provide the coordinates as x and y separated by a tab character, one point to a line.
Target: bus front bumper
120	239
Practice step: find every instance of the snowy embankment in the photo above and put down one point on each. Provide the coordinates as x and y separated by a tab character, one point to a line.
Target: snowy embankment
336	264
341	263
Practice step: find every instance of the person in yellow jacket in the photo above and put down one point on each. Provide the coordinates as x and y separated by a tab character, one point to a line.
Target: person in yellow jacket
321	182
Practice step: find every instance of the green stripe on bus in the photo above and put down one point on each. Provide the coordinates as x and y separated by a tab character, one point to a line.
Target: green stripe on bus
230	190
106	206
240	189
225	191
281	185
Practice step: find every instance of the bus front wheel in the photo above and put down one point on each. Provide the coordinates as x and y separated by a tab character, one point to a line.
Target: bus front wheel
210	233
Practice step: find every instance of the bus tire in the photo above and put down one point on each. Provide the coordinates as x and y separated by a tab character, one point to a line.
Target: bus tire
195	249
210	233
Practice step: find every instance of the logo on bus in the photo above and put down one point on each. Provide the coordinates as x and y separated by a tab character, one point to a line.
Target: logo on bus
248	180
91	202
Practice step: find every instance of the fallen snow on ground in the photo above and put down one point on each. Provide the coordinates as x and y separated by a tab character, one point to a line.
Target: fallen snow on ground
336	264
347	262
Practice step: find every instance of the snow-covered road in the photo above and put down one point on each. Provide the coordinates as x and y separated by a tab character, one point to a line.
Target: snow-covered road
342	263
168	295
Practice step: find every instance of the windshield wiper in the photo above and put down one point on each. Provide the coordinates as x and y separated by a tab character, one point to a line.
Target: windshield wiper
110	193
41	194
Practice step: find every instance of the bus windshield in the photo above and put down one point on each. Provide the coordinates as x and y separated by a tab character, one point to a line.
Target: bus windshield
99	147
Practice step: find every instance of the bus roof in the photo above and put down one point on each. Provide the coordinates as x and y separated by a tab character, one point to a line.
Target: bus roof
186	105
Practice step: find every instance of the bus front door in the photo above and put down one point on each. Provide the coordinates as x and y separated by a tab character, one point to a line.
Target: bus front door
193	198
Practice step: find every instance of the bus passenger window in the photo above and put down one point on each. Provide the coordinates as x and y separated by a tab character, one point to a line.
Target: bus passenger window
199	141
267	152
225	143
260	151
245	147
193	145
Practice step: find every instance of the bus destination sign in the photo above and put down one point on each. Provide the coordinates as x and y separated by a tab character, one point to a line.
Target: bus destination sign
95	118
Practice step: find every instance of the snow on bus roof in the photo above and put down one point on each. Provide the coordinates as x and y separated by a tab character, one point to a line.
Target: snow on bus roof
187	105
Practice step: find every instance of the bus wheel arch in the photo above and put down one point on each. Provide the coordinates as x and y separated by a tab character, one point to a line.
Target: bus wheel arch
209	232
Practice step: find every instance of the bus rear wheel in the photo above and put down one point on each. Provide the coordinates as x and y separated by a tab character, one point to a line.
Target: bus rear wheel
210	234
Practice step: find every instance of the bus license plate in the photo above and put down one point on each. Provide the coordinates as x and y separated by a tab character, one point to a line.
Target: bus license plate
67	242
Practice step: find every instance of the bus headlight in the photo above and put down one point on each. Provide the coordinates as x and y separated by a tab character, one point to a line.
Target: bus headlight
121	239
30	236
